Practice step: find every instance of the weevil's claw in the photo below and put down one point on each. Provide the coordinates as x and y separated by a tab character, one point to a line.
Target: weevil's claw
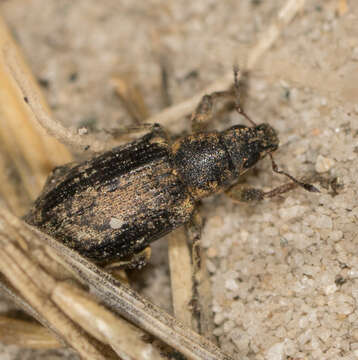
310	188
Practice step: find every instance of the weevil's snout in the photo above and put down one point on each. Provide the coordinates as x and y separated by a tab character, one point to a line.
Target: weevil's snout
268	138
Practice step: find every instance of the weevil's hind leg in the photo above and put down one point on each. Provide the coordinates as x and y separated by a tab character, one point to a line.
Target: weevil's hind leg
129	133
131	97
134	102
165	81
137	261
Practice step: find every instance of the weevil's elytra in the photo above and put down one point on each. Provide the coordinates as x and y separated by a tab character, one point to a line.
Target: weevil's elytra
113	206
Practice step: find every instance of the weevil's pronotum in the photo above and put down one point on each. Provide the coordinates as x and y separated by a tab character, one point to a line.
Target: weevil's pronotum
113	206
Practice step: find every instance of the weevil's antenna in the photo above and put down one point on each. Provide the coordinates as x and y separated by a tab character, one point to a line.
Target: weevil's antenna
306	186
237	96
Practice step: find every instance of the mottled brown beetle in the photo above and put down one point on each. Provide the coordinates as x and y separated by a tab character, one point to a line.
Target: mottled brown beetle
110	208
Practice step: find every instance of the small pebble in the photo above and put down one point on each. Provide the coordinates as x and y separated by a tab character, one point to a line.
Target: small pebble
115	223
276	352
323	164
82	131
323	222
231	284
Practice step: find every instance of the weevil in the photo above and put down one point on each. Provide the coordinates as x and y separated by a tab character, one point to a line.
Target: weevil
111	207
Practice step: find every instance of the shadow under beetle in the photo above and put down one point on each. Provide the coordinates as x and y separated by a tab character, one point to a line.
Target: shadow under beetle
110	208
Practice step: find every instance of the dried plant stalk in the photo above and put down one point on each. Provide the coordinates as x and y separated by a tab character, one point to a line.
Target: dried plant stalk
169	117
28	334
181	277
21	265
25	108
24	144
202	296
123	337
12	193
11	269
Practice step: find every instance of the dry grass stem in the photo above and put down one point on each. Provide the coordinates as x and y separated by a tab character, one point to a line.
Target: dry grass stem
24	145
24	103
124	338
169	117
59	302
202	292
28	334
20	269
35	286
181	276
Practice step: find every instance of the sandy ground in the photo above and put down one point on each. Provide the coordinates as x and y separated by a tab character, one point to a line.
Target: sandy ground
284	272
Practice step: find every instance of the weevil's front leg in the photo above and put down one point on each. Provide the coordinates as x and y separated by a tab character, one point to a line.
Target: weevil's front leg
241	193
204	110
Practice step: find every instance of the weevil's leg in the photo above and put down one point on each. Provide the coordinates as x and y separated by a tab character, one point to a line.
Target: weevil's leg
131	133
241	193
204	110
237	93
137	261
131	97
164	80
201	296
306	186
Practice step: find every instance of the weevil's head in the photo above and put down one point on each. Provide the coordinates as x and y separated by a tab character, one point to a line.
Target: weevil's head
247	145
